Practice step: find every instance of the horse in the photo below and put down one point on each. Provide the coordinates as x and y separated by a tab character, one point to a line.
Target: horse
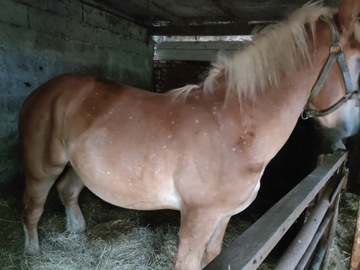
337	126
200	149
342	119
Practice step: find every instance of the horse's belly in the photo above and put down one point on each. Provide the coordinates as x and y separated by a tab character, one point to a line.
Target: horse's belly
122	176
143	193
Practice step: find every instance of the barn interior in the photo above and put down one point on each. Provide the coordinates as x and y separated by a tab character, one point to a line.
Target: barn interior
156	45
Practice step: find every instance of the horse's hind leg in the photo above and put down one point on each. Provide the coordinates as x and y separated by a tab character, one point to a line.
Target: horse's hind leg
69	187
35	194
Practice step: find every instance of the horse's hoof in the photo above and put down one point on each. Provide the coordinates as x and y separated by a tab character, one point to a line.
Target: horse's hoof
76	227
30	251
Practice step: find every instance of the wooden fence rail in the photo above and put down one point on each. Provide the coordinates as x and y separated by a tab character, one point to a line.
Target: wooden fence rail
310	247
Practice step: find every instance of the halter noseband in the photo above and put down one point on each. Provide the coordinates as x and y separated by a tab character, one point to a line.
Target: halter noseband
336	53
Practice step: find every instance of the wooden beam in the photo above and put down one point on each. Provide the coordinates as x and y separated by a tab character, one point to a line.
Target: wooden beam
203	30
194	51
226	7
186	55
158	10
116	12
141	12
355	255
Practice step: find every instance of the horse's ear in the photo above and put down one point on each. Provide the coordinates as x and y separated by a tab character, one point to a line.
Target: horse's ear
348	13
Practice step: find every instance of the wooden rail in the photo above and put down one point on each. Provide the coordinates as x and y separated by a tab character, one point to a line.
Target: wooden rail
322	186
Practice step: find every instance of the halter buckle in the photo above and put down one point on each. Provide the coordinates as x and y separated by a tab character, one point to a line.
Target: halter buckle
335	48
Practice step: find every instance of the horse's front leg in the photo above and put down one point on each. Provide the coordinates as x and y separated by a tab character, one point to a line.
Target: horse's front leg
196	229
213	247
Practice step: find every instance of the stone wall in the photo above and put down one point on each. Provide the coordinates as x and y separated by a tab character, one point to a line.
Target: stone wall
42	38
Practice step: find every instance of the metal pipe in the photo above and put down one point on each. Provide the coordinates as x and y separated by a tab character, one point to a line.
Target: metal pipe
332	215
319	255
310	250
297	248
331	234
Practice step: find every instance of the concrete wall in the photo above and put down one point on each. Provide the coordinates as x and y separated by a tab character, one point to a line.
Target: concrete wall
42	38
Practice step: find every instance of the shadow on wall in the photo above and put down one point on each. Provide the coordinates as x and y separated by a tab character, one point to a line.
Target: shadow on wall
10	165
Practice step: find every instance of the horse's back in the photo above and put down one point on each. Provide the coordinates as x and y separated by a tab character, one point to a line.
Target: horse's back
65	94
71	86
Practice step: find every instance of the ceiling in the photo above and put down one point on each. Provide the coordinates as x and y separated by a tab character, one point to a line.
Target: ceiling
200	17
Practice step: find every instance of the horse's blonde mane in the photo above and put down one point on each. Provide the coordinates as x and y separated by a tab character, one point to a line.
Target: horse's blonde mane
274	51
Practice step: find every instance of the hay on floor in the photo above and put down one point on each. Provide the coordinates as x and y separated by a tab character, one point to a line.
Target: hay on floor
123	239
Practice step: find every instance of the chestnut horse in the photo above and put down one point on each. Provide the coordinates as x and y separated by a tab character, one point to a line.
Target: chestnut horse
342	120
199	149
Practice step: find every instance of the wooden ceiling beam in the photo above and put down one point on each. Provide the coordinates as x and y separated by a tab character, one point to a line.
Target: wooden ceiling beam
203	30
117	12
147	12
226	7
161	12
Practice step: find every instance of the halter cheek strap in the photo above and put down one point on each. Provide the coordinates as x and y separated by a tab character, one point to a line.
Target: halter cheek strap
336	53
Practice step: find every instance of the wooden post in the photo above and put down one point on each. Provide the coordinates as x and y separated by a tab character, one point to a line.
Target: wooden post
355	256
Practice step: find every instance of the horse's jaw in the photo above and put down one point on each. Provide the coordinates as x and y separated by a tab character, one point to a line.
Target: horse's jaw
341	124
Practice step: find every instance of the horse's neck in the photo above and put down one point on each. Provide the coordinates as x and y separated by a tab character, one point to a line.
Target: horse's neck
287	98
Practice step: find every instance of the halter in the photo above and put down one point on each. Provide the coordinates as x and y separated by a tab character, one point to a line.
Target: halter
336	53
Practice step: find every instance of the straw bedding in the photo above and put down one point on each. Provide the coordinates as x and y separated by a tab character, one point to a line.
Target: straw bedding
123	239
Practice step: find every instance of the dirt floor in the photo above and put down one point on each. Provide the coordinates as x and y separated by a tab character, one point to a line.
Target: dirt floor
123	239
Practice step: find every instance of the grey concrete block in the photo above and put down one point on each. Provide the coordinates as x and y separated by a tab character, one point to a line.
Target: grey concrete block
95	17
107	39
66	8
80	32
136	46
13	13
42	4
126	29
46	22
14	37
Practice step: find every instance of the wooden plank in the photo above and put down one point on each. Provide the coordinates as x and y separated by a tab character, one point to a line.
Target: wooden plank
186	55
242	28
251	248
139	11
194	51
201	45
355	255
